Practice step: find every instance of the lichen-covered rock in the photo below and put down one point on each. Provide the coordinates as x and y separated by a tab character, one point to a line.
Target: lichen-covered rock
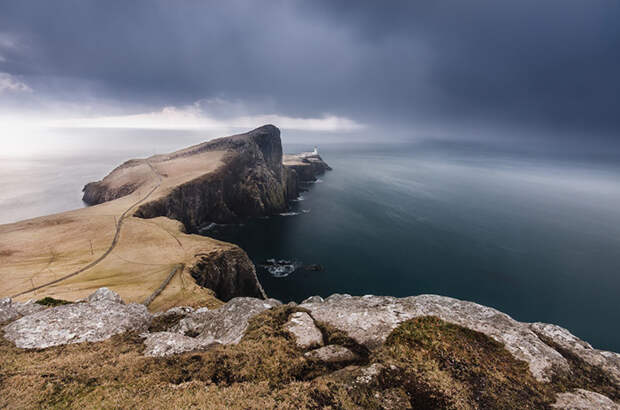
204	328
28	308
176	311
609	362
228	323
313	299
104	295
91	321
169	343
307	335
580	399
10	311
370	319
332	354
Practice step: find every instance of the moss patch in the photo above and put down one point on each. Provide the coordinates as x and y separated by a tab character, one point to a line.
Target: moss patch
49	301
442	365
583	375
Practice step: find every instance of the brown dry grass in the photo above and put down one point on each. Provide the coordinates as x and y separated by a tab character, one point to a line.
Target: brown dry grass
426	363
40	250
265	370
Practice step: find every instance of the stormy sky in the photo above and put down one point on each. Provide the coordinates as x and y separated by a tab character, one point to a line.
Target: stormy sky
547	70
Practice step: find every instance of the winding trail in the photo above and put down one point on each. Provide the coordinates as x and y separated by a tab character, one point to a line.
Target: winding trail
117	234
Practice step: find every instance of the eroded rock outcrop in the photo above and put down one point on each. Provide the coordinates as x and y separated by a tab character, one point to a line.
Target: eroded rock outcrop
332	354
581	399
229	274
302	327
10	310
564	341
101	316
370	319
204	328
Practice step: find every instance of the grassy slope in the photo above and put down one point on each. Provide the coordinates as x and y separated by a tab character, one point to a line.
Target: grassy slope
40	250
426	363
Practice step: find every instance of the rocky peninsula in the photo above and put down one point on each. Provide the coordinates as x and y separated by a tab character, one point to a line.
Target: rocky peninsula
121	305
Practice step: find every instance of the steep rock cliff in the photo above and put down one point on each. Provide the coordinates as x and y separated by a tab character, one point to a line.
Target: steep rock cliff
251	181
225	180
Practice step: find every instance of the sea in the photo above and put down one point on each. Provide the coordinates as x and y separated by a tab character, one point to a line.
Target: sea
536	236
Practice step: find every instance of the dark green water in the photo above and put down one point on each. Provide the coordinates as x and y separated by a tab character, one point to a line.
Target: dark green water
536	238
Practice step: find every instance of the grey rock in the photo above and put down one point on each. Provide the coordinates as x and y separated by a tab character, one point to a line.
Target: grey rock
204	328
175	311
79	322
301	325
369	374
332	354
370	319
104	295
580	399
168	343
313	299
228	323
10	311
28	308
609	362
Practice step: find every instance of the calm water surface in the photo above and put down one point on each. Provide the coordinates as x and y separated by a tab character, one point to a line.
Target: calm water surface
538	239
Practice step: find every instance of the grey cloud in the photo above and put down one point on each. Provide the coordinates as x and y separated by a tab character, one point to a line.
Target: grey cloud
546	67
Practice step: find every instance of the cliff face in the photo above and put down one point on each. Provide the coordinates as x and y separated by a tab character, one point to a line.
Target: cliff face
228	274
251	182
252	178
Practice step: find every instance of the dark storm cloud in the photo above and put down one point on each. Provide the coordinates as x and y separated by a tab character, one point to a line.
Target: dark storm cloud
550	66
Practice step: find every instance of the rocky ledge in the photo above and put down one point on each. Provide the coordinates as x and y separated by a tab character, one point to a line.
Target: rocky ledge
427	350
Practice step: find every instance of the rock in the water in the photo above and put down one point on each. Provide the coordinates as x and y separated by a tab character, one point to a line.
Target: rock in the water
332	354
80	322
370	319
609	362
104	295
580	399
307	335
168	343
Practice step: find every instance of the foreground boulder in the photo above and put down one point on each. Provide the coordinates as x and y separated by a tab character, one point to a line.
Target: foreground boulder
302	327
98	318
169	343
332	354
581	399
370	319
564	341
10	310
204	328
